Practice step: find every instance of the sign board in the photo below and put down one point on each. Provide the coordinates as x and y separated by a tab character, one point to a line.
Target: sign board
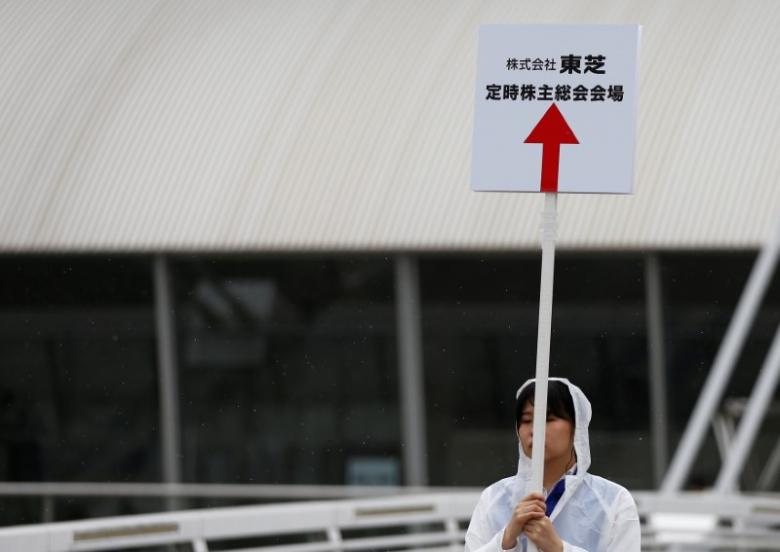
556	108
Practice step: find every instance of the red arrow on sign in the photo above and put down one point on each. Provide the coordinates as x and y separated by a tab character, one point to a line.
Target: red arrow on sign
551	131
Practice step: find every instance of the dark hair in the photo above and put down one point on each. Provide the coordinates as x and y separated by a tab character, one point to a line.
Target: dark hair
559	401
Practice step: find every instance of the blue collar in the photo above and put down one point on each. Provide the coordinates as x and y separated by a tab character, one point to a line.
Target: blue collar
557	492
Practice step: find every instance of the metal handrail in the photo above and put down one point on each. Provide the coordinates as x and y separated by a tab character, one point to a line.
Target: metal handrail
405	521
211	490
689	521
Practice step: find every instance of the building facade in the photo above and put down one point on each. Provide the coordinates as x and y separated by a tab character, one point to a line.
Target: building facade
237	245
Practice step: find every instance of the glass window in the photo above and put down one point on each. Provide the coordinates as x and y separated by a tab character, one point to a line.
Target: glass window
288	367
288	370
480	318
78	397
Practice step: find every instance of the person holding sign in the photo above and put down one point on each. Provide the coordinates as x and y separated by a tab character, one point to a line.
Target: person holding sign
578	511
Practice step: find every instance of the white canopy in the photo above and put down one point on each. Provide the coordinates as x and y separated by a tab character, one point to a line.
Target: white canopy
293	125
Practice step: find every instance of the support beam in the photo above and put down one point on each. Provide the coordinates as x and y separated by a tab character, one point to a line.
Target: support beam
711	394
413	421
755	410
167	371
657	367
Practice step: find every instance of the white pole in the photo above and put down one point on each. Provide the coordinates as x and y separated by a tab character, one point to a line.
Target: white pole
549	223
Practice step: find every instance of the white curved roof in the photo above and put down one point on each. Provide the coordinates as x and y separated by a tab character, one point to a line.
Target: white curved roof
146	125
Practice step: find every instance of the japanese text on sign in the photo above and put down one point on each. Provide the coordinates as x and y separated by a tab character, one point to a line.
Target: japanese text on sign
567	64
555	108
558	93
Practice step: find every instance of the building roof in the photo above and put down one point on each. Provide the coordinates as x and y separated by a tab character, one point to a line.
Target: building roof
335	125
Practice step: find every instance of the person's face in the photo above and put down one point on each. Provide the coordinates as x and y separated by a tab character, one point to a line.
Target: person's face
559	436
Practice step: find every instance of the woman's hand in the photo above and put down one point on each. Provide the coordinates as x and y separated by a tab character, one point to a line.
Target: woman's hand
543	535
527	510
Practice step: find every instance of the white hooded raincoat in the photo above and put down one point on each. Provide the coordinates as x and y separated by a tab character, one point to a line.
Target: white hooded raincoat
592	515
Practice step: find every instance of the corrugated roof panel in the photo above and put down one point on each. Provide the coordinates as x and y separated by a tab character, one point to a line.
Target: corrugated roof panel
292	125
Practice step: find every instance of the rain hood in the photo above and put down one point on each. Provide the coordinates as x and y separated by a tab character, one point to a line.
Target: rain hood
593	514
582	415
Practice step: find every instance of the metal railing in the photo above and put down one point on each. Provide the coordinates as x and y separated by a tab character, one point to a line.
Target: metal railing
434	520
685	521
709	521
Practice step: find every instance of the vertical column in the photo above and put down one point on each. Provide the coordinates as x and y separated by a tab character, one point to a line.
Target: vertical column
657	366
410	368
167	371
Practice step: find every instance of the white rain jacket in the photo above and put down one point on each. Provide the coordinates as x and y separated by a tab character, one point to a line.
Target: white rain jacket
592	515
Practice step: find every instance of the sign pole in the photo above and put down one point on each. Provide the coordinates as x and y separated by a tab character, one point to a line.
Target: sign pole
548	231
588	72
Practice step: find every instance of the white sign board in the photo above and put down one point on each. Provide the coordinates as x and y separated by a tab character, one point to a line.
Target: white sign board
556	108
